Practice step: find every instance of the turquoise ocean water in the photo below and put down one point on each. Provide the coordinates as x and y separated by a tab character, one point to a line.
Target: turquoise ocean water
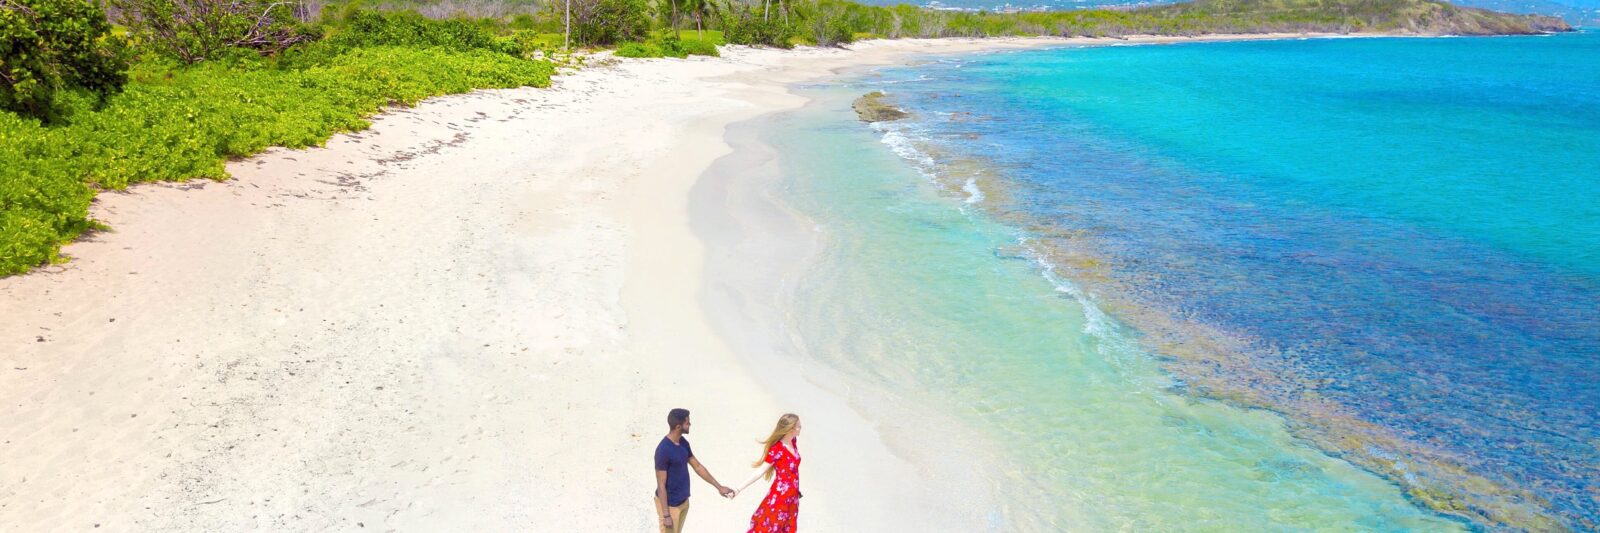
1110	260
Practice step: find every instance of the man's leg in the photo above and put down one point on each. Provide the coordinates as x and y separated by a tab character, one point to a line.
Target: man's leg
679	515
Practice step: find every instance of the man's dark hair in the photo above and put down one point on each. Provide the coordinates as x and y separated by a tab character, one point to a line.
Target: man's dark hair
676	416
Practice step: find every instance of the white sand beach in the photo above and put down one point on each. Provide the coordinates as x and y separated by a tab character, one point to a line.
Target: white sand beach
472	316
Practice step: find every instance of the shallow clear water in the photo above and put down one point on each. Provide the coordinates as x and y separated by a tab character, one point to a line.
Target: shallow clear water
919	300
1394	243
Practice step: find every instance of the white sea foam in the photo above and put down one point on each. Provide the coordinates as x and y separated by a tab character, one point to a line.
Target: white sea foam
974	194
1116	344
901	141
921	78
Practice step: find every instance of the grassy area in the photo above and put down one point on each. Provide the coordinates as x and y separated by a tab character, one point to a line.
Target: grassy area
665	45
714	37
543	41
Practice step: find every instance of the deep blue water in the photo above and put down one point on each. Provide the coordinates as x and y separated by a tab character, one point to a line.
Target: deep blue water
1405	231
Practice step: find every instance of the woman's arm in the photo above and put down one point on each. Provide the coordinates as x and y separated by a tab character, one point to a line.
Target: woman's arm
759	473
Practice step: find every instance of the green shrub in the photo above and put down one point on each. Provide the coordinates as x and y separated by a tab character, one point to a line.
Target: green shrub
199	30
696	47
828	29
834	31
745	26
638	50
528	41
671	46
667	46
43	200
354	28
52	47
176	122
604	22
365	28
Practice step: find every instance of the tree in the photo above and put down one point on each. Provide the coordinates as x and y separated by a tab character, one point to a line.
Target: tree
701	8
50	46
605	22
197	30
828	21
743	25
673	20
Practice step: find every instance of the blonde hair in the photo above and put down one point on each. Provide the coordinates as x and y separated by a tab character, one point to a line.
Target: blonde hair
786	424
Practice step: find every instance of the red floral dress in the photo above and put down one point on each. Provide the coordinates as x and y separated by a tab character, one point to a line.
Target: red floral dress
781	508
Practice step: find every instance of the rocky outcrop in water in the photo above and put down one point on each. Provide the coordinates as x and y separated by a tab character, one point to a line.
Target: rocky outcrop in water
872	107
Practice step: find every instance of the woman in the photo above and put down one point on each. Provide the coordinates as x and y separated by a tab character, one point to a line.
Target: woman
779	511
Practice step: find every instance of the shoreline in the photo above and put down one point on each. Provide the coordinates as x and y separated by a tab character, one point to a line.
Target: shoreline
474	314
757	246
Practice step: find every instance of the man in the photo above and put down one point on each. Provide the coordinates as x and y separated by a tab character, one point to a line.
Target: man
673	459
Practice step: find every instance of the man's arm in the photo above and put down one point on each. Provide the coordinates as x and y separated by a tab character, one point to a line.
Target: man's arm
661	498
706	475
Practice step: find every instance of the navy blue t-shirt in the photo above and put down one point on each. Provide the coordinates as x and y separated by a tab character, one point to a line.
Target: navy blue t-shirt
674	460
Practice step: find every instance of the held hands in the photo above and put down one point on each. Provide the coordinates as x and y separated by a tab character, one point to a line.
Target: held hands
727	492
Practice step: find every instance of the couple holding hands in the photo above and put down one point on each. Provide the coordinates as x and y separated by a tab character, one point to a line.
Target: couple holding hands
780	456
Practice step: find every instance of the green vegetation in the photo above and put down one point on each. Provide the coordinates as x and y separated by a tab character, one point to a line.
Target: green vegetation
713	37
176	121
668	47
216	79
51	48
197	31
752	26
606	22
